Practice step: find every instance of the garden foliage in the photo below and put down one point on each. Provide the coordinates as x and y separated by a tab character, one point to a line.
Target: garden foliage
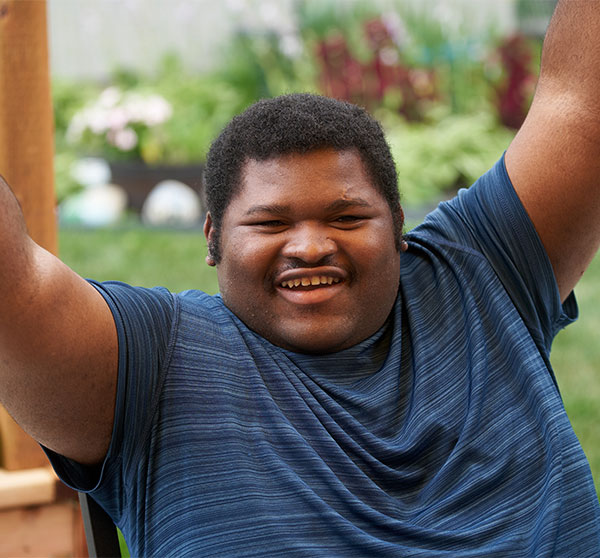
449	97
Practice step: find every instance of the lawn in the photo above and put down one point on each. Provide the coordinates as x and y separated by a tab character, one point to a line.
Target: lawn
175	259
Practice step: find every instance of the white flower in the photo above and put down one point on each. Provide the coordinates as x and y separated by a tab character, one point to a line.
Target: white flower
133	105
114	112
156	110
125	139
290	45
395	27
96	119
109	97
389	56
117	118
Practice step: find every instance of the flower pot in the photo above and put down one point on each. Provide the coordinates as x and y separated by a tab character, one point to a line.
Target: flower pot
138	179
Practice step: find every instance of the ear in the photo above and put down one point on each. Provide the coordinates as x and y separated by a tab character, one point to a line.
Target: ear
398	217
208	233
403	243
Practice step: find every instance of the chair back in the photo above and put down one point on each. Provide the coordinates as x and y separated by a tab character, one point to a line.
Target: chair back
100	532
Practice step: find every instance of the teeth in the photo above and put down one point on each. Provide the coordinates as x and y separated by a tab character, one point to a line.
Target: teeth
310	281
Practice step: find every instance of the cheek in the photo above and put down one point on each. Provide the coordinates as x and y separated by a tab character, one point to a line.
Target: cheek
379	249
244	267
382	268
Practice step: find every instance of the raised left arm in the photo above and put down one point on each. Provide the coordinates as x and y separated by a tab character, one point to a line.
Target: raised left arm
554	161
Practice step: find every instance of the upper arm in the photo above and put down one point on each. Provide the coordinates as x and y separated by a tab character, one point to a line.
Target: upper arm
554	161
59	358
554	166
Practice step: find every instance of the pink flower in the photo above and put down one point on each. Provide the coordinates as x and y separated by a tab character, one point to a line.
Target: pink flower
125	139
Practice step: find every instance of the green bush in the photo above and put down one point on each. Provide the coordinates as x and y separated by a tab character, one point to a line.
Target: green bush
438	78
445	152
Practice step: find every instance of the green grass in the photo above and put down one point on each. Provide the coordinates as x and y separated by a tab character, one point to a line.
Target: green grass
175	259
576	361
138	256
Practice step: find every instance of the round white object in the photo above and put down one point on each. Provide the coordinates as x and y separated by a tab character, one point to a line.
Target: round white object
91	171
99	206
172	203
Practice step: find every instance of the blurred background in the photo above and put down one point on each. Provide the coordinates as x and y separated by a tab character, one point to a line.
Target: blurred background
150	83
141	87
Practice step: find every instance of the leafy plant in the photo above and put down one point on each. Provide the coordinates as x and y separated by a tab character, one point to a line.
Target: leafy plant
513	65
202	105
424	75
443	153
67	98
64	183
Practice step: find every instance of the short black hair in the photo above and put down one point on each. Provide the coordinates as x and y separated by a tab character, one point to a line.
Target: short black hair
296	123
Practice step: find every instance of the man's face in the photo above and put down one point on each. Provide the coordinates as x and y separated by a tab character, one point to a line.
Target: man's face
308	255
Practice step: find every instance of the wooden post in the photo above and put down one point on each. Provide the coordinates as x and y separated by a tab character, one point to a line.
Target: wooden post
26	157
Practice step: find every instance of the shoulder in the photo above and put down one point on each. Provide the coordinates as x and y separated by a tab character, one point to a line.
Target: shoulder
487	219
484	237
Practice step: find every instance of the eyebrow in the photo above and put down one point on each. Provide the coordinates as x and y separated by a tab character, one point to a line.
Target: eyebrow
340	205
277	209
274	209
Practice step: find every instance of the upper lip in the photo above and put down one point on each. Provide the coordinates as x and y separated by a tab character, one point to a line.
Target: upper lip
300	272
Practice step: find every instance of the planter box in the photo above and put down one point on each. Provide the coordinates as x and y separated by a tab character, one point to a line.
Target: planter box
138	179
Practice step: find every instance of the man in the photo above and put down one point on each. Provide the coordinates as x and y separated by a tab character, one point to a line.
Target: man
351	392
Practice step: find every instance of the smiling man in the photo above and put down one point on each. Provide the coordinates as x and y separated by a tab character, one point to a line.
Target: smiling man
308	256
351	391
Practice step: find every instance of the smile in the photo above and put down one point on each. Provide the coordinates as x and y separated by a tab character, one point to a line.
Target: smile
312	281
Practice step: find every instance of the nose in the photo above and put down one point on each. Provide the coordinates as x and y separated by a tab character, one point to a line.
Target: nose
309	243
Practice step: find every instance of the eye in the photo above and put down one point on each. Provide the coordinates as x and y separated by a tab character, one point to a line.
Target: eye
272	223
269	226
348	220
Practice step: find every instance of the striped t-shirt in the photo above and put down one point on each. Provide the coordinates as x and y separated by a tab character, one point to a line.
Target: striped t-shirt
442	435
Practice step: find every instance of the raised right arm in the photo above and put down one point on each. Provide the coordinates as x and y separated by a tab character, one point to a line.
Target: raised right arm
58	345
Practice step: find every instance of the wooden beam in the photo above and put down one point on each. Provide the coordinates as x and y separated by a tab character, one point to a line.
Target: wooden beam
26	156
47	530
26	124
27	488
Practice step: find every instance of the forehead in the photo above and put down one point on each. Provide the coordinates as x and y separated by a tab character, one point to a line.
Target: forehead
318	174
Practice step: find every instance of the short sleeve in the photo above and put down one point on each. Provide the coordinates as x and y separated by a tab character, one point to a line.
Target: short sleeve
490	219
144	319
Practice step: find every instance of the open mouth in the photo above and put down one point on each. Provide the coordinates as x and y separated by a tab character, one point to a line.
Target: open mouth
310	282
309	287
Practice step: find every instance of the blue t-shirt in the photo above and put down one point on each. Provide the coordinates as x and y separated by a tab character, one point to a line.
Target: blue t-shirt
442	435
